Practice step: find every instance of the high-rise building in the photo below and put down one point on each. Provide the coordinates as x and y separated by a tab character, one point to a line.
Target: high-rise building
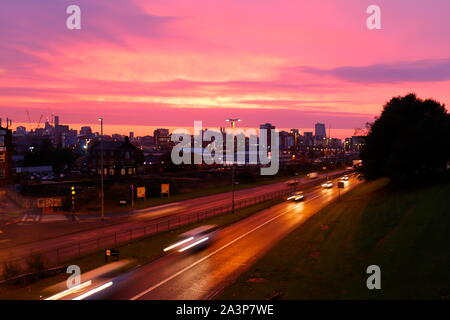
69	138
162	138
48	128
286	140
296	134
308	139
320	131
268	127
358	142
85	131
21	131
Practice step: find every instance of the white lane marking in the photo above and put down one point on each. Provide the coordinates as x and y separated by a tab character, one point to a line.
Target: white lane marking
143	293
203	259
90	293
69	291
311	199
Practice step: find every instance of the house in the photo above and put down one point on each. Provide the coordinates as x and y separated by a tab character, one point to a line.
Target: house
120	158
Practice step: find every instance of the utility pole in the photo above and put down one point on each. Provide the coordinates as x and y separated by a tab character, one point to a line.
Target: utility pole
102	192
233	168
325	168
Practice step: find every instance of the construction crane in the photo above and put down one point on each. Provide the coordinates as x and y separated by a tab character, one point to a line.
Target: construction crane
29	121
39	123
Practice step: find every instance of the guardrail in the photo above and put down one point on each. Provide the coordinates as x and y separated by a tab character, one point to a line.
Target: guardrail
58	255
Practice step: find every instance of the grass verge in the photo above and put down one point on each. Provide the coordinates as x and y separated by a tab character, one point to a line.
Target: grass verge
112	207
405	232
141	251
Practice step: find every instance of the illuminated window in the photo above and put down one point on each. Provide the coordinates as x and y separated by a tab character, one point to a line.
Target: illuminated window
2	173
2	157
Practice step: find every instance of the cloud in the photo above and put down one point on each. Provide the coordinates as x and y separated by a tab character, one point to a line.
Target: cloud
417	71
36	31
156	114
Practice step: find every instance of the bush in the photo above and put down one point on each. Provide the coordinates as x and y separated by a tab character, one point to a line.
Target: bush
11	269
36	262
246	177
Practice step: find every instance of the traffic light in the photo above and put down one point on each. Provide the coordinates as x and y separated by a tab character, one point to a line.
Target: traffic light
73	192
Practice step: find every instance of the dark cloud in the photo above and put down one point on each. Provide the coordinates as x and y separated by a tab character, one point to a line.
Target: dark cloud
417	71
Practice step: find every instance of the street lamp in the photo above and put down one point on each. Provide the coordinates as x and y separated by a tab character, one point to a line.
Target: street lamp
102	192
233	169
233	123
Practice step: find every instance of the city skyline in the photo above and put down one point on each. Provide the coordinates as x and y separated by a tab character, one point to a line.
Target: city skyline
148	130
135	62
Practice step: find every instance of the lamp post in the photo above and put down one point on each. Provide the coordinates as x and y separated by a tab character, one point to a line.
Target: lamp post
233	169
102	192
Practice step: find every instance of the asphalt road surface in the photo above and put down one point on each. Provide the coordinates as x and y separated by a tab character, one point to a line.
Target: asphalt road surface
203	274
143	217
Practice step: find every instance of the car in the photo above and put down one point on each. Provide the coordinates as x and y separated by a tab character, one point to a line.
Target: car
49	177
328	185
298	196
312	175
345	178
193	240
292	182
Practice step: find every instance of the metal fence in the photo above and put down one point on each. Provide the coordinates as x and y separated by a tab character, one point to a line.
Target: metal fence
61	254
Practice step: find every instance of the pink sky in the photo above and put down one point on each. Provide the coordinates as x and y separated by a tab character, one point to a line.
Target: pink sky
145	64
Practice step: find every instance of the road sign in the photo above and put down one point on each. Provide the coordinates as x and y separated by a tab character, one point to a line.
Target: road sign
165	189
141	192
49	202
341	184
111	253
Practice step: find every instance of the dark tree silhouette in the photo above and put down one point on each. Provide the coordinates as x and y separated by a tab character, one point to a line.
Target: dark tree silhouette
47	154
410	139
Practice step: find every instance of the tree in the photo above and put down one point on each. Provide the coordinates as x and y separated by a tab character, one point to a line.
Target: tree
47	154
410	139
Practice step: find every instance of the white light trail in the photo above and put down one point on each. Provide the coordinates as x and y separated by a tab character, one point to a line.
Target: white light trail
193	244
69	291
178	244
90	293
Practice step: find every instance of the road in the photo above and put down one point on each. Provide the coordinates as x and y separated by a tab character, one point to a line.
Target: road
140	218
204	274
